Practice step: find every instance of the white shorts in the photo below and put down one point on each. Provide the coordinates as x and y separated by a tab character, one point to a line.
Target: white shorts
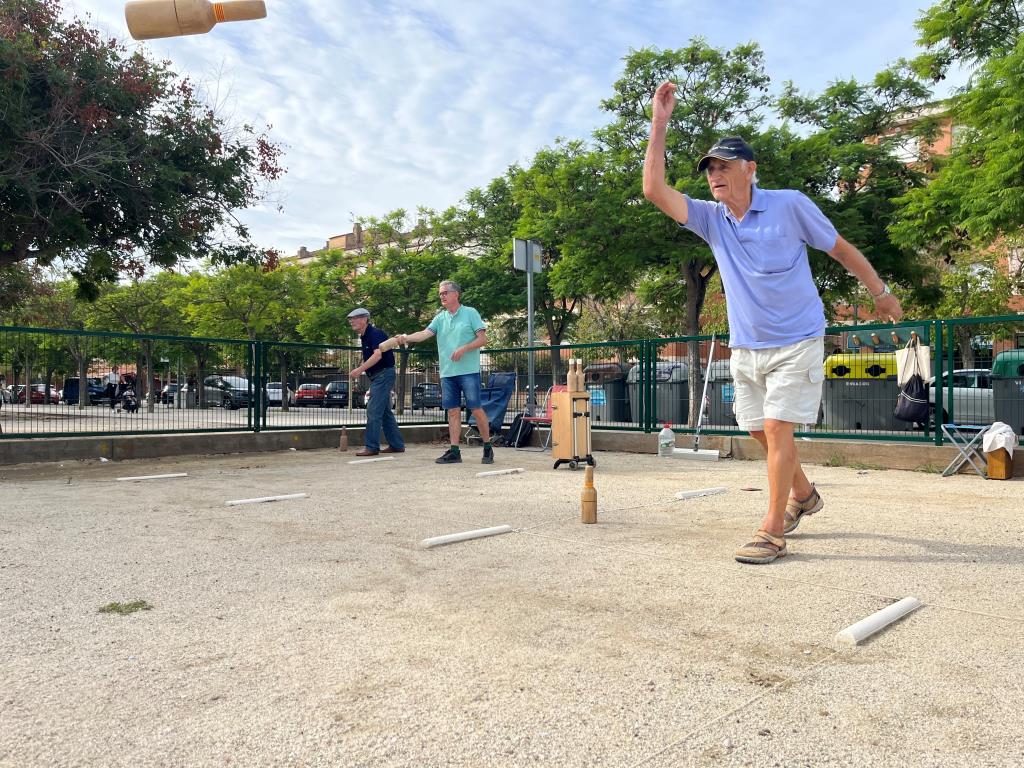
783	383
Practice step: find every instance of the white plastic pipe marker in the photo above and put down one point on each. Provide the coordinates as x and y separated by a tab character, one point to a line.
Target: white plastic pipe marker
492	473
263	499
152	477
367	461
453	538
701	492
865	628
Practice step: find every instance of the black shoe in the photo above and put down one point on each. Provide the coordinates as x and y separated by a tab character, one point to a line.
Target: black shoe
488	455
450	457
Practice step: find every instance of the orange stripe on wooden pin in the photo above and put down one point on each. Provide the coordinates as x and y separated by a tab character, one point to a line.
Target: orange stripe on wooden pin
218	11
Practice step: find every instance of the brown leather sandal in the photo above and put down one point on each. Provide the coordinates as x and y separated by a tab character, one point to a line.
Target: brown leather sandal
763	549
797	509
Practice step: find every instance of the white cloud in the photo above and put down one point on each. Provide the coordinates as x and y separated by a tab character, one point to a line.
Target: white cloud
385	105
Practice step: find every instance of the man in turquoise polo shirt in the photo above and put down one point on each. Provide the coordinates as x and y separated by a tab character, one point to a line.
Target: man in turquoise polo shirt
460	334
759	239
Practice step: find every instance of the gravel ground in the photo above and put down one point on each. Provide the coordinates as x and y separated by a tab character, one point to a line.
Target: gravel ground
316	632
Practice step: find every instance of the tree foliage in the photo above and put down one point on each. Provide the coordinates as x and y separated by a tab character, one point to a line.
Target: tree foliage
108	160
977	194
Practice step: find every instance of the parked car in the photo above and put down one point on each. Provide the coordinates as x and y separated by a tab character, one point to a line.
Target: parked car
96	388
273	394
426	394
972	396
336	394
309	395
38	395
226	391
168	393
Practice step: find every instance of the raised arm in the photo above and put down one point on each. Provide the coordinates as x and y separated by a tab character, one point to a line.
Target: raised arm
656	189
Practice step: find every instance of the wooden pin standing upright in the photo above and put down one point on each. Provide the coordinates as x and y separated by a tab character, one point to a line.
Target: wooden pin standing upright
343	442
588	500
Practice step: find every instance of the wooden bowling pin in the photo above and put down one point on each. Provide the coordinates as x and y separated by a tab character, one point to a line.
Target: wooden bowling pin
149	19
588	500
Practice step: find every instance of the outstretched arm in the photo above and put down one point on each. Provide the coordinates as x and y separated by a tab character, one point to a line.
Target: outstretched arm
423	335
656	189
857	265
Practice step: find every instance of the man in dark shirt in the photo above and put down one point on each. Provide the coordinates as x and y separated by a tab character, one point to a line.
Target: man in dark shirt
380	369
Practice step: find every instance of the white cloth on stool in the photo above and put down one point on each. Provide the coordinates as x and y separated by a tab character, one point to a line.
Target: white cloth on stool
999	435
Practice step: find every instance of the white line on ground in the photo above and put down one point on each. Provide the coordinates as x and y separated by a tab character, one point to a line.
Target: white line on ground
515	471
152	477
701	492
453	538
877	621
263	499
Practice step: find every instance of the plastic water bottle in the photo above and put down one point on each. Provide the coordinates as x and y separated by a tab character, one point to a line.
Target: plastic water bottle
666	441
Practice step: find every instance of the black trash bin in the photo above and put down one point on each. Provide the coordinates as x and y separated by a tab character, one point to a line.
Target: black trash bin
606	383
672	396
1008	389
721	394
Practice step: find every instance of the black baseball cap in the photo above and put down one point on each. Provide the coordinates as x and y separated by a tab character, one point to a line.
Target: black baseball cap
727	148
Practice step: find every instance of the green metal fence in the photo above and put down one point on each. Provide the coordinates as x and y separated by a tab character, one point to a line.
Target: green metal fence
69	382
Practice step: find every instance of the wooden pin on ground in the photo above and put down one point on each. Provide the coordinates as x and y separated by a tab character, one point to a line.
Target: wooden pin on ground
343	441
588	500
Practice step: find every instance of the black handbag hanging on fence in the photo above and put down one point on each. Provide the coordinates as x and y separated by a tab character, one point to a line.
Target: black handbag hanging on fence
912	402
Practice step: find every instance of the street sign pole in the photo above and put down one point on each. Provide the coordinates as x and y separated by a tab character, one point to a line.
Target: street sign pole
531	397
526	256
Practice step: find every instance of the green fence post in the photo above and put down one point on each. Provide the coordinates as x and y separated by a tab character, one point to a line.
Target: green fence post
650	385
951	351
937	364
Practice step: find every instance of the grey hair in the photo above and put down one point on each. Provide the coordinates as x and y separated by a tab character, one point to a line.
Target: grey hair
451	285
753	179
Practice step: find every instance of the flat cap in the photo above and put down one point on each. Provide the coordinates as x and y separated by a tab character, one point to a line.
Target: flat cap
359	312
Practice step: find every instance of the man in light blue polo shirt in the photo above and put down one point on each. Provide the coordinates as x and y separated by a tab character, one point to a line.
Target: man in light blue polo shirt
759	239
460	334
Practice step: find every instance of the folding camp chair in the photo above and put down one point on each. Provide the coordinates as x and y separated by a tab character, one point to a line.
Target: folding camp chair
543	420
494	402
967	439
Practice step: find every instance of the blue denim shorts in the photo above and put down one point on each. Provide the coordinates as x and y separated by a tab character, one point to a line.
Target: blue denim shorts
453	387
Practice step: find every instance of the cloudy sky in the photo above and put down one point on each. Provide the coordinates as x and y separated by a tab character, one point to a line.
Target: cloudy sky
385	104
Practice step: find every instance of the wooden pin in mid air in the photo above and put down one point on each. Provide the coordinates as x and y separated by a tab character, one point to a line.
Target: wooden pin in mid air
150	19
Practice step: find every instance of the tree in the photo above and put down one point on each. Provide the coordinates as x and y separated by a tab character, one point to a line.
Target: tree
852	167
242	301
972	211
17	283
977	194
108	160
622	319
140	308
978	288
